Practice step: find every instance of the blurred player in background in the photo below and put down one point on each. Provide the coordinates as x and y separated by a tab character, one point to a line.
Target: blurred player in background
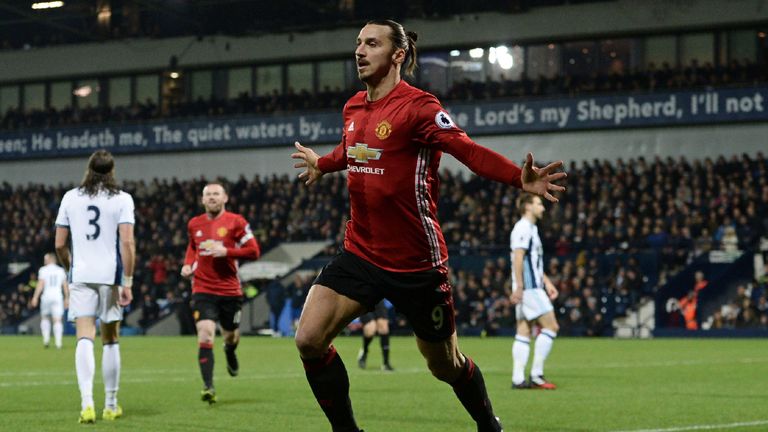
217	239
52	292
99	217
376	322
394	136
532	292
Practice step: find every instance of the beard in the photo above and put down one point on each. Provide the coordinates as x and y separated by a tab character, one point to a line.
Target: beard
213	209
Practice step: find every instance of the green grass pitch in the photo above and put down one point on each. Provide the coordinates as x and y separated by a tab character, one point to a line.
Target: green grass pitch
604	385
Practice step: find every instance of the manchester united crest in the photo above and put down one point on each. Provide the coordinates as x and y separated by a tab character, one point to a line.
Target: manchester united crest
222	231
383	130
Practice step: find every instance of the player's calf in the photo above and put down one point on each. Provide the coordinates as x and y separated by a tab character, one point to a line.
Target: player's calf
233	366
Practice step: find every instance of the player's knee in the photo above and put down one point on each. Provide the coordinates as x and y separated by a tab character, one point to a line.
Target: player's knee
554	326
309	346
523	331
444	369
108	337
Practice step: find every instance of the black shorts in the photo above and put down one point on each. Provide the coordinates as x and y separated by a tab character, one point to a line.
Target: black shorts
224	309
379	312
423	297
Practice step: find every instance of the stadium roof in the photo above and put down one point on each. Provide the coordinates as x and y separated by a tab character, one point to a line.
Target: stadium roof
76	21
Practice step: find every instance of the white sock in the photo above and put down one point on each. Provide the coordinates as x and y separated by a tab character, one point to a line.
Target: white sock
520	350
85	364
58	331
45	329
543	346
110	369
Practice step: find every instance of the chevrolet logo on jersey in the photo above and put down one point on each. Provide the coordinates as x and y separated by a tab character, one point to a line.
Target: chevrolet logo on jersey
208	244
361	153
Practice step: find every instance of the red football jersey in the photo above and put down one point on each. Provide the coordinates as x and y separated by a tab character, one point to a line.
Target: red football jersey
391	149
219	275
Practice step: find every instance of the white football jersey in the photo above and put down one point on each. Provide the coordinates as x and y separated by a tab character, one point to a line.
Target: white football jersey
92	223
525	235
54	277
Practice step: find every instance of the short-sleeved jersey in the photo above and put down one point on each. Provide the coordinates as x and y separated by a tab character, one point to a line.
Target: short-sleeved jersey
93	225
391	149
53	277
525	235
217	276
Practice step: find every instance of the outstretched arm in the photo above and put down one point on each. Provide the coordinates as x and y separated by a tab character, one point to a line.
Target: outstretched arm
434	127
489	164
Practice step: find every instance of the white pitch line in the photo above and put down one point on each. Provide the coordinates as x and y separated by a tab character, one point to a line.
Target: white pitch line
670	363
704	427
129	376
191	376
67	373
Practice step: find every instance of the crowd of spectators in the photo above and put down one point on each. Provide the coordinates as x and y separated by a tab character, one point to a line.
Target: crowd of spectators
747	309
645	80
649	79
614	211
588	297
274	103
14	303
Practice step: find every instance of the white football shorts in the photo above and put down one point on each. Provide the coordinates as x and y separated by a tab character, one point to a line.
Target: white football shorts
94	300
53	307
535	304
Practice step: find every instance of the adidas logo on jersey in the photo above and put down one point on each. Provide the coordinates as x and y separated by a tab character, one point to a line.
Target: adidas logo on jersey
351	127
199	233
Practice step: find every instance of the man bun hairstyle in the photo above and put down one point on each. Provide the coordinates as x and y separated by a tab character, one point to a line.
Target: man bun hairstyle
403	40
100	174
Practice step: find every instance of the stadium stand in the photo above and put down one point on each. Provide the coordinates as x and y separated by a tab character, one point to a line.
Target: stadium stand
612	241
628	230
694	76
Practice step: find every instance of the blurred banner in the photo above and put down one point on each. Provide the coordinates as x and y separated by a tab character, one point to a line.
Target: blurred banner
482	118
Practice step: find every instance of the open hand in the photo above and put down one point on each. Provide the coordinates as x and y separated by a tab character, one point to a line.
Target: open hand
540	181
307	159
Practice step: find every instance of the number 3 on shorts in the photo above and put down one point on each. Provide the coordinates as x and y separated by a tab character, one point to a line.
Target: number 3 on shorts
438	317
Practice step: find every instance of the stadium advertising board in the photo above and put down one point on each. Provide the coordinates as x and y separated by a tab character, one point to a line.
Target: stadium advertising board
508	117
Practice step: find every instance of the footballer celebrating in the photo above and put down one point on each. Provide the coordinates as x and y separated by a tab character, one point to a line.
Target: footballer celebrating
394	136
217	239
